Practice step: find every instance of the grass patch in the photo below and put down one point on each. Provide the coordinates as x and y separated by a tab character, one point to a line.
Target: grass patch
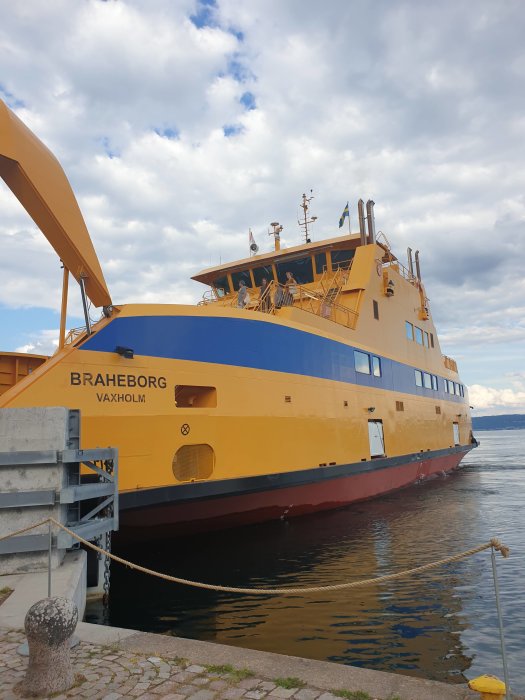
289	683
352	694
5	592
236	674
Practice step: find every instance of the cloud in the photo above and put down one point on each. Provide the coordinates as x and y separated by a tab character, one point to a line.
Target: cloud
44	343
181	125
489	401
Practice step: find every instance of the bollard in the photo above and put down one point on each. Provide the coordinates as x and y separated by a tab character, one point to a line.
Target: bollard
489	687
49	625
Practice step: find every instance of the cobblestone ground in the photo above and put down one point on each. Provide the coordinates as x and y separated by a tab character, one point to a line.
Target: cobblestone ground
108	673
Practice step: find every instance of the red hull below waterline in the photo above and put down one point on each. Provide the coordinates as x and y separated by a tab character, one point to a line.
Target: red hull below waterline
210	512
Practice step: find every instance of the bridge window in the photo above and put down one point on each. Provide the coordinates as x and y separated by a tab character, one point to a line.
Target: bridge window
320	263
419	377
427	380
301	269
242	275
341	258
376	366
221	283
263	271
434	383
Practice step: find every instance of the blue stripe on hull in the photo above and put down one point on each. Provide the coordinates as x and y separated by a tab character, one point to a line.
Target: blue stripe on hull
254	344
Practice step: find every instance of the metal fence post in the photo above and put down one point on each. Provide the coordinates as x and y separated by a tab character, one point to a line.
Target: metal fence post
500	623
50	544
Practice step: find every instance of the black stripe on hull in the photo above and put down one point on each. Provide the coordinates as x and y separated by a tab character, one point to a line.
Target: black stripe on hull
220	488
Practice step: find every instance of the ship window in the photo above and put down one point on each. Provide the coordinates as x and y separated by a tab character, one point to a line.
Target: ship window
427	343
400	406
242	275
434	383
362	362
376	309
457	390
419	377
195	396
409	330
320	263
301	269
427	380
419	335
341	258
447	388
193	462
438	410
431	340
376	366
263	271
221	283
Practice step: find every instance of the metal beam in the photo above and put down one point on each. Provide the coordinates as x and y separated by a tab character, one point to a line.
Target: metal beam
34	457
88	531
20	499
94	455
25	543
82	492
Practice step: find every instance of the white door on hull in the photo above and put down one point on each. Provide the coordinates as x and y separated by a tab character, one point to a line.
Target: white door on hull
375	435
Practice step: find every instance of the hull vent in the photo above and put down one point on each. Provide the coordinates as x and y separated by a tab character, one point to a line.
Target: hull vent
193	462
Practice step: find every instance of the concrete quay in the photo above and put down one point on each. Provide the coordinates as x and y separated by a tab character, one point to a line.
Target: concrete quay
113	663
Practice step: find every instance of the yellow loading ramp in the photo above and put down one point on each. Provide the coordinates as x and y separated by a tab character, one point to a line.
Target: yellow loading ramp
38	181
14	366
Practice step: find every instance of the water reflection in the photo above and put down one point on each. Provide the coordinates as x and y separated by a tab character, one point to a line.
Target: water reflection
438	625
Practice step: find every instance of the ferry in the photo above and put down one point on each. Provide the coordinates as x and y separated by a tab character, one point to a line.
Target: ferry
307	378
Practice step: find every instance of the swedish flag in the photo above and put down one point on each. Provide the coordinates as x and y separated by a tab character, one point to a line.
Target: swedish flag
344	215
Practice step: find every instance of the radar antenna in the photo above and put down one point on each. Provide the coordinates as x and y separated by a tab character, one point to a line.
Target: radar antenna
306	221
276	233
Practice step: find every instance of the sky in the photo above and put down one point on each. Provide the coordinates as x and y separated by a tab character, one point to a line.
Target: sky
183	123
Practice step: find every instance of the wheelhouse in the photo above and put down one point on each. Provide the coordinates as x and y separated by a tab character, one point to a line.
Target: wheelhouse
308	263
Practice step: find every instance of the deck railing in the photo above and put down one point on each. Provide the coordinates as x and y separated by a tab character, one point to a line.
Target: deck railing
450	363
321	301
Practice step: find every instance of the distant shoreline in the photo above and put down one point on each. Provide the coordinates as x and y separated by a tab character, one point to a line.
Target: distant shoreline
514	421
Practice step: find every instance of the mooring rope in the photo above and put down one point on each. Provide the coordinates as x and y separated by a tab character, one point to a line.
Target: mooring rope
493	543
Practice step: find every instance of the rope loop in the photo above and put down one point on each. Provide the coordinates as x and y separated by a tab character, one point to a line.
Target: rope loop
500	547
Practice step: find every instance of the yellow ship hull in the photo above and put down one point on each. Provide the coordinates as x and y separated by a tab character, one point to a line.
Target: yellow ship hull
222	417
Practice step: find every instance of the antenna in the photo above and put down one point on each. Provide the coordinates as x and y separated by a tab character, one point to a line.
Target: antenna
304	223
276	233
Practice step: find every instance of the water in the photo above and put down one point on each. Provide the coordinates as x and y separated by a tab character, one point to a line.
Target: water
441	625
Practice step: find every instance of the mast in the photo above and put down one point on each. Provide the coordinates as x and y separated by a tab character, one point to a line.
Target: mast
305	205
